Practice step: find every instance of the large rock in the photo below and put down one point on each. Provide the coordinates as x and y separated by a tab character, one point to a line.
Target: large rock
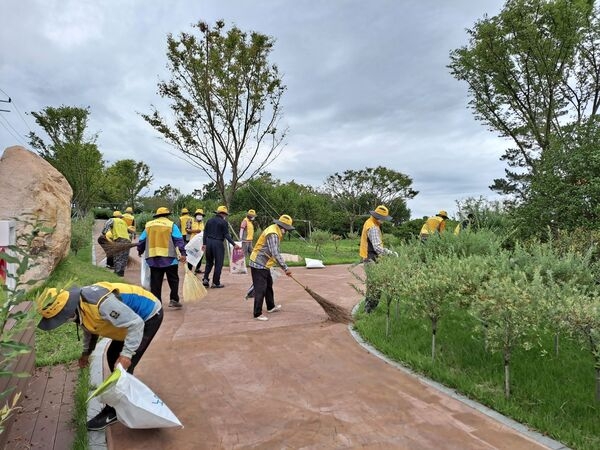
33	191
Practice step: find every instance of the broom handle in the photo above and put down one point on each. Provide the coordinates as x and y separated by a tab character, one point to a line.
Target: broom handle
292	277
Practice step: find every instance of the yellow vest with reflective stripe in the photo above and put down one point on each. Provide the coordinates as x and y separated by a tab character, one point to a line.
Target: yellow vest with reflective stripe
363	250
262	240
158	238
119	229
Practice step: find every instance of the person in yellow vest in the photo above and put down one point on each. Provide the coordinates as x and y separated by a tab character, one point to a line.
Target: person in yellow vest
183	220
264	256
127	314
158	243
434	225
465	224
120	235
247	232
194	226
371	247
130	221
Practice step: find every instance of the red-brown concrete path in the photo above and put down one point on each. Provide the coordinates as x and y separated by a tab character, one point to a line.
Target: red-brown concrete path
296	381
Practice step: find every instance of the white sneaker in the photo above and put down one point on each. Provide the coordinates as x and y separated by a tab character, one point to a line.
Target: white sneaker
263	318
276	308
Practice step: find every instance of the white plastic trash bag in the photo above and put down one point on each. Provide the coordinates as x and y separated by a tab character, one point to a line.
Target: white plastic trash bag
145	274
237	261
193	249
135	403
314	263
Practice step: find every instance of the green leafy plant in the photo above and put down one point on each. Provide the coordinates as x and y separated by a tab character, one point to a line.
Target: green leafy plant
13	317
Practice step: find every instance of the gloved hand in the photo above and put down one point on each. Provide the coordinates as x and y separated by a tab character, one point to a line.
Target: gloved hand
288	273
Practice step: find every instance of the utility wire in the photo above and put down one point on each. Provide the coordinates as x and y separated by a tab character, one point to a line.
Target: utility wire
10	132
271	209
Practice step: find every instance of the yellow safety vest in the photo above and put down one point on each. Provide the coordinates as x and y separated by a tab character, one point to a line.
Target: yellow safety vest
119	229
363	250
89	308
183	220
249	230
262	240
158	238
434	224
196	228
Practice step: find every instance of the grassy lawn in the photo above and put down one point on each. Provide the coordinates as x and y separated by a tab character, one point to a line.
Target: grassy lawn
552	394
344	251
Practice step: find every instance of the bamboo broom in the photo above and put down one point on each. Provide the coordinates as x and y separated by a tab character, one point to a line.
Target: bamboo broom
335	312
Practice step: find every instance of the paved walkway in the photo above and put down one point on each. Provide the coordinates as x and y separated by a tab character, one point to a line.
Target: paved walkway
296	381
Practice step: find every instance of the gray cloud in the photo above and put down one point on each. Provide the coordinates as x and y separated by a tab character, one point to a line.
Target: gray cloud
367	84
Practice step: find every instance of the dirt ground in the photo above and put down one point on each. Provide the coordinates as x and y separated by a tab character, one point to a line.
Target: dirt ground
295	381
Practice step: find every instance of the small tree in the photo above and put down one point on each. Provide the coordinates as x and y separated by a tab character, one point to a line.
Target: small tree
225	98
71	152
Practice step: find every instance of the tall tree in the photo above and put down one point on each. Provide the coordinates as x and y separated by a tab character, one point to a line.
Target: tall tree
358	191
71	152
126	179
225	100
529	70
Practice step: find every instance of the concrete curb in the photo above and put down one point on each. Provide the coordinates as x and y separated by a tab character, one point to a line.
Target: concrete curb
507	421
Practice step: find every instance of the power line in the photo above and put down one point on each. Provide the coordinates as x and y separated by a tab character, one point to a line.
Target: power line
10	100
10	132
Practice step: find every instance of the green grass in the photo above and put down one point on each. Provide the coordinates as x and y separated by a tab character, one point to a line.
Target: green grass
80	413
345	253
552	394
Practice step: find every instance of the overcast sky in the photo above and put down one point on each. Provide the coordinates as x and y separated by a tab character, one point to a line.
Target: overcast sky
367	84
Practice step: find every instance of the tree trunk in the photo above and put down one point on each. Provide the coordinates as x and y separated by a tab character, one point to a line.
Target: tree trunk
387	323
433	333
506	375
598	384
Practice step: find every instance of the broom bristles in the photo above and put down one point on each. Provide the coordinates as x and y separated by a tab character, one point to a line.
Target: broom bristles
336	313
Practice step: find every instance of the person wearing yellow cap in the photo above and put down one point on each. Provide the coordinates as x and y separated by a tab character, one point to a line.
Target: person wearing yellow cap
264	256
247	232
120	235
128	315
195	226
183	220
158	244
216	232
434	225
130	221
371	247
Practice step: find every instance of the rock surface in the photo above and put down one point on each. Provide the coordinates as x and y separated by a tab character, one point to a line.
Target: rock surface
34	194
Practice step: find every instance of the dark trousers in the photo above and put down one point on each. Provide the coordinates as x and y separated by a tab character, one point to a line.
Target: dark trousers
115	347
263	289
156	280
215	255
